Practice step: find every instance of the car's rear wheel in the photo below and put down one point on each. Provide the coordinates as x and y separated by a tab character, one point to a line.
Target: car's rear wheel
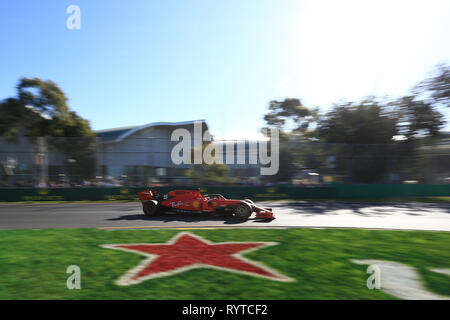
150	208
242	211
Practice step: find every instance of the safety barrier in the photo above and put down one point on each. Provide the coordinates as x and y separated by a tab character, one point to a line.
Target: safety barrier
276	192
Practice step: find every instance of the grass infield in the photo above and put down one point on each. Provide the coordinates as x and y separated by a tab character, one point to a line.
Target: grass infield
33	264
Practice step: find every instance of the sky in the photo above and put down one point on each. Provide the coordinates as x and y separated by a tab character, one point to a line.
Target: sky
137	62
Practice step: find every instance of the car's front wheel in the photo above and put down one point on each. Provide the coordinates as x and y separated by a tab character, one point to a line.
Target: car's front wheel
242	211
150	208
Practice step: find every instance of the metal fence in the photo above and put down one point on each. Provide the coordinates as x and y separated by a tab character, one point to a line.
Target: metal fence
276	192
74	162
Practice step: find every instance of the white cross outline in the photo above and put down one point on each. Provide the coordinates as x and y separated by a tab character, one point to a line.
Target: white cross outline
127	279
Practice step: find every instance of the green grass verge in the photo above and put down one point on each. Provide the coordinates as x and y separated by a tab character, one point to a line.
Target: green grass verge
33	264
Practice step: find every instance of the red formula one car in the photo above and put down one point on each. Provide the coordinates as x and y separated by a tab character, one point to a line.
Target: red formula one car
183	201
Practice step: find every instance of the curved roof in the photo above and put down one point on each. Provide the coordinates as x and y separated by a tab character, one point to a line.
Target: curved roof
118	134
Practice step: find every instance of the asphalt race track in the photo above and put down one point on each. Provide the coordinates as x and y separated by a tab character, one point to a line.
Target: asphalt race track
413	216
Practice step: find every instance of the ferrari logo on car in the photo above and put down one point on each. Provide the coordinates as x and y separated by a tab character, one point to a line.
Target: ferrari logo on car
188	251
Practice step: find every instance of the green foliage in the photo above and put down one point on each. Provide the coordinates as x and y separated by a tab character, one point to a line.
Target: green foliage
290	117
41	110
13	115
439	85
364	122
417	116
368	127
45	96
290	110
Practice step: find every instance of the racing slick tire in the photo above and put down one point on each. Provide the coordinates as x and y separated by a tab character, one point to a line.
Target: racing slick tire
150	208
242	211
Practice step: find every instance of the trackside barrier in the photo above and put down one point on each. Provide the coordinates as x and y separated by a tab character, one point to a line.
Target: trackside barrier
392	190
277	192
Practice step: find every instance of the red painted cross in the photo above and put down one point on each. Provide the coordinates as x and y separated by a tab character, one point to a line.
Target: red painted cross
187	251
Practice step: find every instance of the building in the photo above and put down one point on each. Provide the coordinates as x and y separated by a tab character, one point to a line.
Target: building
133	156
141	154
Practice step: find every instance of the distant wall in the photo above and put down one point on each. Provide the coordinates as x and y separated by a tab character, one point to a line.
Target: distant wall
256	193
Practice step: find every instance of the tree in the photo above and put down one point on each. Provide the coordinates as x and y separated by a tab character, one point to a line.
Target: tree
364	131
439	85
290	111
292	118
365	122
40	110
14	114
420	123
417	116
45	96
